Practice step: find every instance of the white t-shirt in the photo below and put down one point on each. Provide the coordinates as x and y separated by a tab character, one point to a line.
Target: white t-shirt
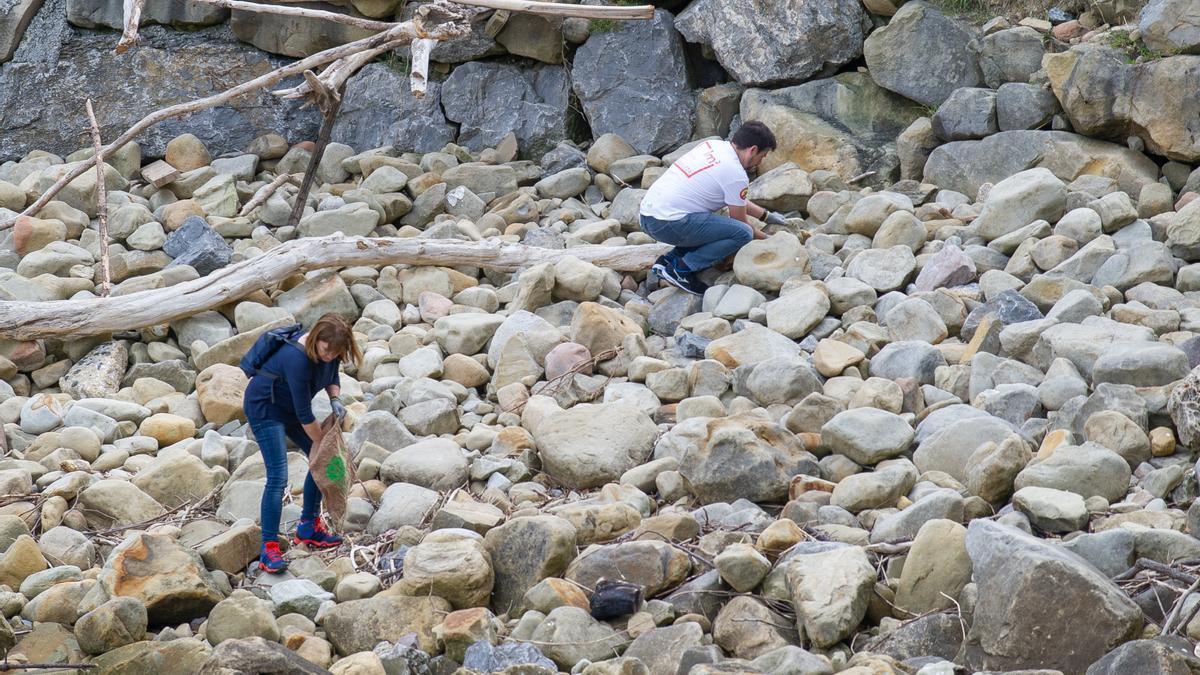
707	178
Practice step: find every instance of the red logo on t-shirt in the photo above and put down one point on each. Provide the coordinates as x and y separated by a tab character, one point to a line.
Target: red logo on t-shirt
745	191
695	162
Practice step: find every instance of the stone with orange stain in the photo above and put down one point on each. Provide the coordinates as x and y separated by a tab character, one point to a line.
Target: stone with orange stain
803	483
551	593
169	579
220	388
779	536
1162	442
33	234
463	628
1053	440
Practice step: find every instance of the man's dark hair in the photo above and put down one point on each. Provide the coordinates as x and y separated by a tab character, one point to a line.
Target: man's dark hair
754	134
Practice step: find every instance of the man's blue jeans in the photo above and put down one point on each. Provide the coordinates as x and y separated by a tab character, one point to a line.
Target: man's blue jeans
701	240
271	436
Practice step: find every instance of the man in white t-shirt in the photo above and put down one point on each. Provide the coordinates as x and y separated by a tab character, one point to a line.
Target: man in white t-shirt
678	209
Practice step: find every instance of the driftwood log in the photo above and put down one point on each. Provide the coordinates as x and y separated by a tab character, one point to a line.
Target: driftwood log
97	316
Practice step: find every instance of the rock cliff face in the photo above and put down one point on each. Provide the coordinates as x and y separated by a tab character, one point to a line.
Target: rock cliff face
42	91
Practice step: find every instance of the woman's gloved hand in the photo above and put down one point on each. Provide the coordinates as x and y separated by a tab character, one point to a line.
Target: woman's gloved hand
338	409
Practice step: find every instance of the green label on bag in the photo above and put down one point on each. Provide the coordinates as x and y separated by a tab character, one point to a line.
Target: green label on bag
336	469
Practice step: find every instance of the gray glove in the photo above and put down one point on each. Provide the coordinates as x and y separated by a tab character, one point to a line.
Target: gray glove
774	218
338	409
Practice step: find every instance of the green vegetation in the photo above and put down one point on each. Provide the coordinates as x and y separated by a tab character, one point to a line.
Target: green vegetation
1135	51
610	25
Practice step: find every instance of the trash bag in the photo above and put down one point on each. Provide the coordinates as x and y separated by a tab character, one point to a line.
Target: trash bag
613	599
333	471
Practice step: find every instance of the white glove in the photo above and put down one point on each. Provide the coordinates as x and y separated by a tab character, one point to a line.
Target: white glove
774	218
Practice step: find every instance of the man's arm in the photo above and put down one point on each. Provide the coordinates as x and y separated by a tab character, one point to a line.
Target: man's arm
755	210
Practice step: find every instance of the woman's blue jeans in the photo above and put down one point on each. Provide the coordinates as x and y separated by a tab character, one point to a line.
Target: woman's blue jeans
701	240
272	442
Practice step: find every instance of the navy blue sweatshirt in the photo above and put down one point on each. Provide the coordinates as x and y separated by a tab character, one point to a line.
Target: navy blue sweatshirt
288	398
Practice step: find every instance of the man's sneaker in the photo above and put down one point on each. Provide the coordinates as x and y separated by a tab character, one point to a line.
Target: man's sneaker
313	533
683	280
271	560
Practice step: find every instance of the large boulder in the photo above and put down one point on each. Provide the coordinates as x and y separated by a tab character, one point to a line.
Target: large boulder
295	36
923	55
169	580
847	124
13	24
1028	584
745	457
490	100
359	625
378	109
186	66
1170	26
1016	201
1105	95
963	166
524	551
653	83
764	47
173	13
593	444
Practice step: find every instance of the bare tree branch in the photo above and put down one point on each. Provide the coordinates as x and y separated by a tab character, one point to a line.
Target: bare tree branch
285	10
132	19
95	316
420	50
101	205
554	9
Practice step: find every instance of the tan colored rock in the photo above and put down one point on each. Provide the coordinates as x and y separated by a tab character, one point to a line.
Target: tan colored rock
186	152
464	370
937	566
600	329
167	428
220	388
22	559
359	663
831	357
176	212
1162	442
449	566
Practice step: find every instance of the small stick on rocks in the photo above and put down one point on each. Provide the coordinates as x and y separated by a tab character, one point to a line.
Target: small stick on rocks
264	193
101	204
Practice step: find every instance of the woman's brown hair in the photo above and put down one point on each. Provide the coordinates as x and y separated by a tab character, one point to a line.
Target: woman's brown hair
334	331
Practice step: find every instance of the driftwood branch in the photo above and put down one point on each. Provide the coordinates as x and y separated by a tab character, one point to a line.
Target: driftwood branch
285	10
329	103
101	204
132	19
96	316
443	24
264	193
554	9
420	50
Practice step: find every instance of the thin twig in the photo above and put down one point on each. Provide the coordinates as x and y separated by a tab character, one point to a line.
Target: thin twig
1169	622
101	204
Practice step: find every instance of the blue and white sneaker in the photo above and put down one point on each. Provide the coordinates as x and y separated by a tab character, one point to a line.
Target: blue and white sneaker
682	279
